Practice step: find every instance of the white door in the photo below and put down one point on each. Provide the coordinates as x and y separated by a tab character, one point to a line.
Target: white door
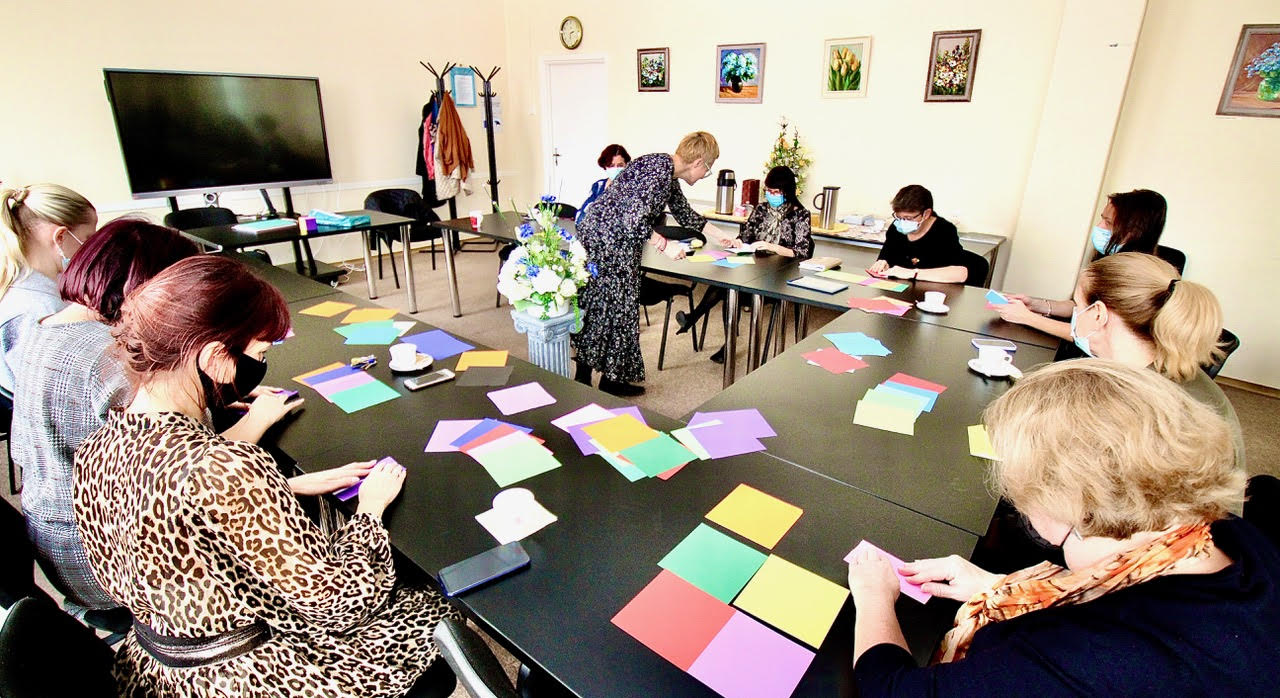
575	126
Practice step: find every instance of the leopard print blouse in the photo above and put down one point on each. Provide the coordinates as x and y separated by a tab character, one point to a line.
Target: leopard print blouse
198	535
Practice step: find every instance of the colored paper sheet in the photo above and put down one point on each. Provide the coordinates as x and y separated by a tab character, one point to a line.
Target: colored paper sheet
403	326
307	378
583	440
658	455
877	415
834	361
622	465
367	314
842	276
746	659
327	309
793	599
713	562
438	343
476	357
980	443
723	441
349	381
582	415
727	264
929	396
367	395
521	397
921	383
446	431
485	375
519	461
380	332
490	436
515	518
619	433
481	427
897	399
690	442
747	421
700	258
857	344
345	494
996	298
718	254
874	305
356	328
673	618
885	285
667	475
896	301
912	590
754	515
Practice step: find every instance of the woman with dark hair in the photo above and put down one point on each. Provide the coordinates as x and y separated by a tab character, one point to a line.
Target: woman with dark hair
233	590
1130	222
613	159
782	227
922	245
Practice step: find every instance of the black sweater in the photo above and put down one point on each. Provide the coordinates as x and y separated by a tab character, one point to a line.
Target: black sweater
1176	635
939	247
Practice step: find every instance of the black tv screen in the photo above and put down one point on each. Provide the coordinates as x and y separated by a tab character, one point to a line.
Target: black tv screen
196	132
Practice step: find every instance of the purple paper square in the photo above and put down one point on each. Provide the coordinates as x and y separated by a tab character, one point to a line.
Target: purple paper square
329	375
748	660
723	440
748	421
484	427
338	385
345	494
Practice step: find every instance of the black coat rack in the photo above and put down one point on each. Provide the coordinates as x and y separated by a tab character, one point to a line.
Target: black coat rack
488	94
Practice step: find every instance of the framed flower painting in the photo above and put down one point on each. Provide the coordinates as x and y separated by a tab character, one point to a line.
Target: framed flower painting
653	69
952	61
1253	85
740	73
845	64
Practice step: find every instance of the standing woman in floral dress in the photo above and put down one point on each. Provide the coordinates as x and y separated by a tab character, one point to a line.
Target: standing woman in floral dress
614	232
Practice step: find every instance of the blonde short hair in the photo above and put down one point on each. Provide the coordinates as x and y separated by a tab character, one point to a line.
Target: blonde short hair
699	144
20	208
1111	450
1183	320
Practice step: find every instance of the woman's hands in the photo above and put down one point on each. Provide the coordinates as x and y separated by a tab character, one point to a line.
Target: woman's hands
872	580
878	268
269	405
901	273
331	480
951	577
381	486
1016	311
674	251
731	243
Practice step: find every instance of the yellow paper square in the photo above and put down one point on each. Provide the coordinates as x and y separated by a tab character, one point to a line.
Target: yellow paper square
620	433
742	259
327	309
756	516
793	599
368	315
980	443
878	415
842	276
481	358
700	258
886	285
318	371
895	301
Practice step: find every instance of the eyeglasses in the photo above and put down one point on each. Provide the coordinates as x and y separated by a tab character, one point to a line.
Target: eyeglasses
917	218
777	192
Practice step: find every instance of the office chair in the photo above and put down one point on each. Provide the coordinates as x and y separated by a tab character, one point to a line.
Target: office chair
1172	256
479	670
653	292
191	218
978	267
1262	505
1228	342
407	203
45	652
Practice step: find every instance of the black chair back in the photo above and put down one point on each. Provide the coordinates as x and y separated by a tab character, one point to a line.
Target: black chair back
18	573
45	652
191	218
1172	256
1262	505
675	232
407	203
978	266
566	211
472	661
1228	342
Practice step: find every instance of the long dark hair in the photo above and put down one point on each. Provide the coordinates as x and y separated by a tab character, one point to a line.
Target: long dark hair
784	180
123	255
1139	221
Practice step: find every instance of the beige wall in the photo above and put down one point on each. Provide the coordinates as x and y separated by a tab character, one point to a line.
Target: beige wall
1221	174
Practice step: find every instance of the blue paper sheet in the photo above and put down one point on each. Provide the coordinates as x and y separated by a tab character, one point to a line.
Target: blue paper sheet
319	378
857	344
996	298
438	343
726	263
484	427
931	396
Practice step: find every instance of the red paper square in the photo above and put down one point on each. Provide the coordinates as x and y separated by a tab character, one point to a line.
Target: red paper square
674	618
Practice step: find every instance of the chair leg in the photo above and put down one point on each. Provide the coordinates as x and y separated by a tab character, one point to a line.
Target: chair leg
666	322
433	254
768	333
646	316
693	331
391	251
783	308
497	295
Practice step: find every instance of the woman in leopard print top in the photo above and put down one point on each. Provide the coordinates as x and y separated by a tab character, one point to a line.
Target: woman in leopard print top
202	538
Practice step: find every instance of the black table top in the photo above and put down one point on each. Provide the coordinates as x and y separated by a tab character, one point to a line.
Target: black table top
931	472
227	238
611	533
294	286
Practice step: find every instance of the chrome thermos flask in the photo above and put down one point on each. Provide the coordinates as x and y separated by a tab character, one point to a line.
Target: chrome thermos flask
827	207
726	187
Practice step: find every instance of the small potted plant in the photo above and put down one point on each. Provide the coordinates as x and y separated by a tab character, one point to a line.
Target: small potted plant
1267	65
737	67
788	152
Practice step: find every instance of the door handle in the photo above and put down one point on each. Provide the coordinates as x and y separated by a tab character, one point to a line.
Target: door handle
556	157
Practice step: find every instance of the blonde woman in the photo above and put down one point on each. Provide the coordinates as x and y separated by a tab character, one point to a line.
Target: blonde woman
41	226
1163	593
1136	309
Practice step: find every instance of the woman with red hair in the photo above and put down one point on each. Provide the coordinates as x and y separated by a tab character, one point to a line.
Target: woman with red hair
234	591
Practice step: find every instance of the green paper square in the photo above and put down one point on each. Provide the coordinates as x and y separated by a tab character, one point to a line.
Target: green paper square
713	562
894	398
628	470
372	332
362	396
521	460
658	455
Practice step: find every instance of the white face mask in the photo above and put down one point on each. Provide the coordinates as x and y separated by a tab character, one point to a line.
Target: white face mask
611	172
65	259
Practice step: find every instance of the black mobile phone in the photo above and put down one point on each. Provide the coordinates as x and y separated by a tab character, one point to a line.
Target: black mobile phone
1004	344
482	568
432	378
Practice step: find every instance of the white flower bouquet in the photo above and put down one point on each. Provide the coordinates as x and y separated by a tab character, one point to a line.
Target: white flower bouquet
547	268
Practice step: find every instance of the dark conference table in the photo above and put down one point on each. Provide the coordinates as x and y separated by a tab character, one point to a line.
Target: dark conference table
611	533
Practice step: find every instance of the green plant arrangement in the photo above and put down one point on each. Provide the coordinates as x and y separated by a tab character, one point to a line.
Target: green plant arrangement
845	72
1267	65
736	68
541	277
788	152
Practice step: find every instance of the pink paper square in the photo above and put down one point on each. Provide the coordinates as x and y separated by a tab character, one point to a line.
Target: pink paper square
747	659
912	590
337	385
520	398
446	431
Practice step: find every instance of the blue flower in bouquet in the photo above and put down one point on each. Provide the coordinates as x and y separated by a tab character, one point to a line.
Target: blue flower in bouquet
1266	64
591	269
524	231
564	235
564	254
548	199
532	270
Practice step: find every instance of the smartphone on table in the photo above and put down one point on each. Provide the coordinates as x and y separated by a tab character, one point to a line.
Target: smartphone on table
485	567
427	379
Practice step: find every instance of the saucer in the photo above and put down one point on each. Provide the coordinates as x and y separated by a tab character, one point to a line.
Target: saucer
1004	372
424	361
941	308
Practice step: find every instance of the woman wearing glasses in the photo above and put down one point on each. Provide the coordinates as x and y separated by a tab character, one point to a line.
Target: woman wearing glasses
922	245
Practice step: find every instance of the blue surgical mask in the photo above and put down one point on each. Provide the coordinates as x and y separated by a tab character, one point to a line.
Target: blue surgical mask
1101	238
612	172
1081	342
775	200
905	226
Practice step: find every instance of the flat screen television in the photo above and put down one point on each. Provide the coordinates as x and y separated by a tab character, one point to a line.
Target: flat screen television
184	133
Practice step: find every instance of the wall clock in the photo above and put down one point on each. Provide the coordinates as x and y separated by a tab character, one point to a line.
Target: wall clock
571	32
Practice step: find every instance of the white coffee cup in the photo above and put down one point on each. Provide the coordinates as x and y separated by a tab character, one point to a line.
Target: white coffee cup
404	354
935	299
476	216
994	359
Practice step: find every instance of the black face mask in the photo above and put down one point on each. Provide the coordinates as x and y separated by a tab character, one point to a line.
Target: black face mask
249	373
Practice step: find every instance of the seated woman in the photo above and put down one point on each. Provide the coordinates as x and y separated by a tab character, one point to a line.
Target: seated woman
923	245
1135	309
1130	222
1163	593
781	227
613	159
233	590
41	227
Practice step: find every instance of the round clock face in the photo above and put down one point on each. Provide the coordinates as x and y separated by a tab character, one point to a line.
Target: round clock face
571	32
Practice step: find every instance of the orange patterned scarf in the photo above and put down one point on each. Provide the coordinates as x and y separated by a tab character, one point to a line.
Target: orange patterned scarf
1047	585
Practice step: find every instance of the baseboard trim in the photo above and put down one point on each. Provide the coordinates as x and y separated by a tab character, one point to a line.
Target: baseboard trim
1263	390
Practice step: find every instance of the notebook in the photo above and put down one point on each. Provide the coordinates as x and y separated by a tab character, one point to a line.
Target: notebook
815	284
821	263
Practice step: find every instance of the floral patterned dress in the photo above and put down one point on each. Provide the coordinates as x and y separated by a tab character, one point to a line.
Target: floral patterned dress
614	232
198	535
